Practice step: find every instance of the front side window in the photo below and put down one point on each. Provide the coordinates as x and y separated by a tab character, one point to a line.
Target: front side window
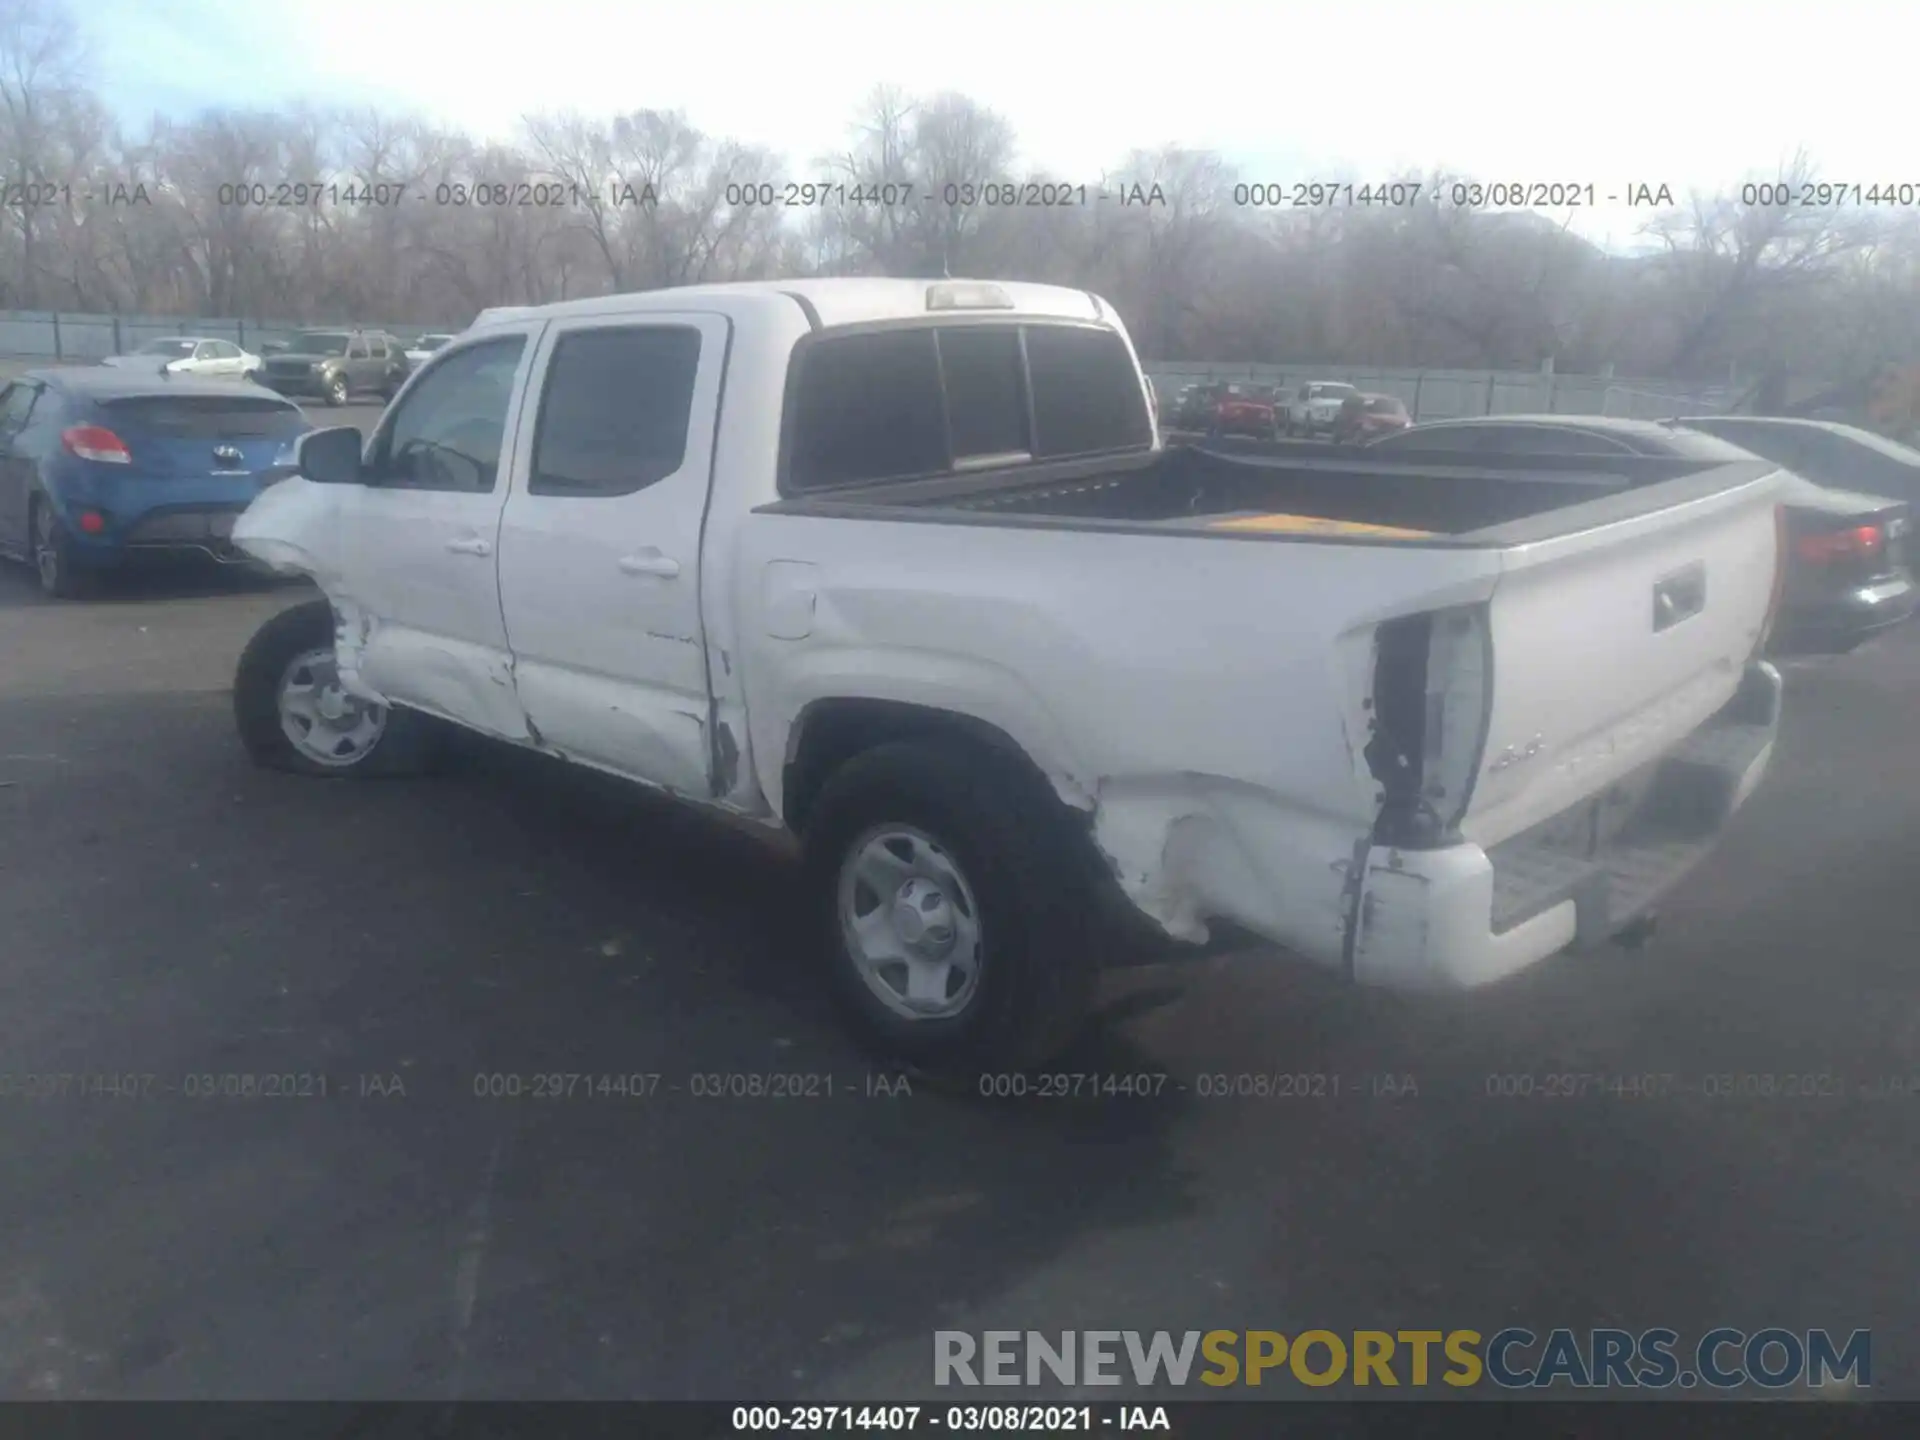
358	349
446	433
616	410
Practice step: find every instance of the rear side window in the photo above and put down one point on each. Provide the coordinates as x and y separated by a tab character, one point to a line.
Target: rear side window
209	417
16	405
1550	440
1086	393
615	411
867	407
1449	438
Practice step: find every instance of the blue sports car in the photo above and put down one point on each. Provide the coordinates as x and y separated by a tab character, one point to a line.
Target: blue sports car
100	465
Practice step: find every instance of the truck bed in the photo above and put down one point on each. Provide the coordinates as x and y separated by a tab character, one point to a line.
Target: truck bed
1318	496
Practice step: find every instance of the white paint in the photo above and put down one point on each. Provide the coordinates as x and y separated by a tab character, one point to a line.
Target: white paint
1205	699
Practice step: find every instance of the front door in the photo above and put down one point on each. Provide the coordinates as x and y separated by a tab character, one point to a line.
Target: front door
417	552
600	545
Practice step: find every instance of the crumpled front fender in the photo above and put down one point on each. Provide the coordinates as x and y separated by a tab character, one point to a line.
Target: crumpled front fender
293	528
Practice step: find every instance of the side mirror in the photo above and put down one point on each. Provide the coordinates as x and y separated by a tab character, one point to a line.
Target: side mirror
330	457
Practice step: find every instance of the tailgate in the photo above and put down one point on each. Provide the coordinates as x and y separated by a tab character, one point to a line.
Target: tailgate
1611	644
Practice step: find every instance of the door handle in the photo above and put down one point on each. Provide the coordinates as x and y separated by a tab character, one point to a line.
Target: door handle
649	562
475	546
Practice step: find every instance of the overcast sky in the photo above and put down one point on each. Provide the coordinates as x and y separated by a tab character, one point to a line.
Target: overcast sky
1614	93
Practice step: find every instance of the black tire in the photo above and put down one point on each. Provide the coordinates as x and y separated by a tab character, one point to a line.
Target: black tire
1039	963
337	391
51	554
411	743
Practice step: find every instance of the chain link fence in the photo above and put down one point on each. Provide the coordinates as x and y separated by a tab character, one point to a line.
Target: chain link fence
39	337
1447	394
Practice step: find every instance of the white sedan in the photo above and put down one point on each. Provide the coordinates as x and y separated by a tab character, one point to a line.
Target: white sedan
191	355
421	350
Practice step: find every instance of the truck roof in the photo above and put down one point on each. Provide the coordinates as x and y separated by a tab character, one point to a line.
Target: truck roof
835	302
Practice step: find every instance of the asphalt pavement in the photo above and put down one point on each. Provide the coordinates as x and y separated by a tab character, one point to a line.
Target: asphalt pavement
415	1217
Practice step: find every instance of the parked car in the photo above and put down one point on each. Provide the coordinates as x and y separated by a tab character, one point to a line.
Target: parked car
1246	410
1846	579
1199	404
1366	417
190	355
338	364
899	569
102	465
418	352
1844	457
1315	407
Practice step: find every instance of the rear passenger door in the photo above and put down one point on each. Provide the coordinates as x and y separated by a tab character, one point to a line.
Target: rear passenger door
600	544
359	366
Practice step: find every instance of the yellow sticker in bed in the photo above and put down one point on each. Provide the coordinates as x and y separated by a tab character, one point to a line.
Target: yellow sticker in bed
1315	525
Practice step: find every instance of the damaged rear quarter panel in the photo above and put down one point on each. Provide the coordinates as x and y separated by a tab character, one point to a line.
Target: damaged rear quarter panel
1195	694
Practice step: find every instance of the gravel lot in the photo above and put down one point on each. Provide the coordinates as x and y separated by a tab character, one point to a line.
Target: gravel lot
168	911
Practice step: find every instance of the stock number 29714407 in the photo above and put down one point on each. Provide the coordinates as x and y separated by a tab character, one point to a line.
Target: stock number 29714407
787	1419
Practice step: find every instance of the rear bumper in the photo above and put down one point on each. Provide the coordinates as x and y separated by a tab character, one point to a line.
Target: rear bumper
1833	624
1462	916
202	527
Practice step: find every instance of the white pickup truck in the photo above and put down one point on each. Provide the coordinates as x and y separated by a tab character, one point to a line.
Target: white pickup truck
902	569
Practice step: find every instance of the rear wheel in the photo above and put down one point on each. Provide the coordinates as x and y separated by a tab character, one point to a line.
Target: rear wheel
60	578
294	714
954	917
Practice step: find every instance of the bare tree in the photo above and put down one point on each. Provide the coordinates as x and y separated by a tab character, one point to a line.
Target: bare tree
403	222
42	59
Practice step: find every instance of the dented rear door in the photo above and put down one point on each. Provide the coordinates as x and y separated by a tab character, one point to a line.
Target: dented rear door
600	543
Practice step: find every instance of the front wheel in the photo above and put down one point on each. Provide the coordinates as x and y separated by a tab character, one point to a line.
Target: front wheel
293	713
337	390
955	919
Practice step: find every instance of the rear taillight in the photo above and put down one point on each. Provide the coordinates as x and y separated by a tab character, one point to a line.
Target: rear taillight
95	442
1854	543
1431	699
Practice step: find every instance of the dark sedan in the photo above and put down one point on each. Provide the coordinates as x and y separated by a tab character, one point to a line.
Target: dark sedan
99	465
1841	457
1846	574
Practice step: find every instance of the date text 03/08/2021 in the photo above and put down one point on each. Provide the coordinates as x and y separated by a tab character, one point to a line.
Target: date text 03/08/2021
956	1419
